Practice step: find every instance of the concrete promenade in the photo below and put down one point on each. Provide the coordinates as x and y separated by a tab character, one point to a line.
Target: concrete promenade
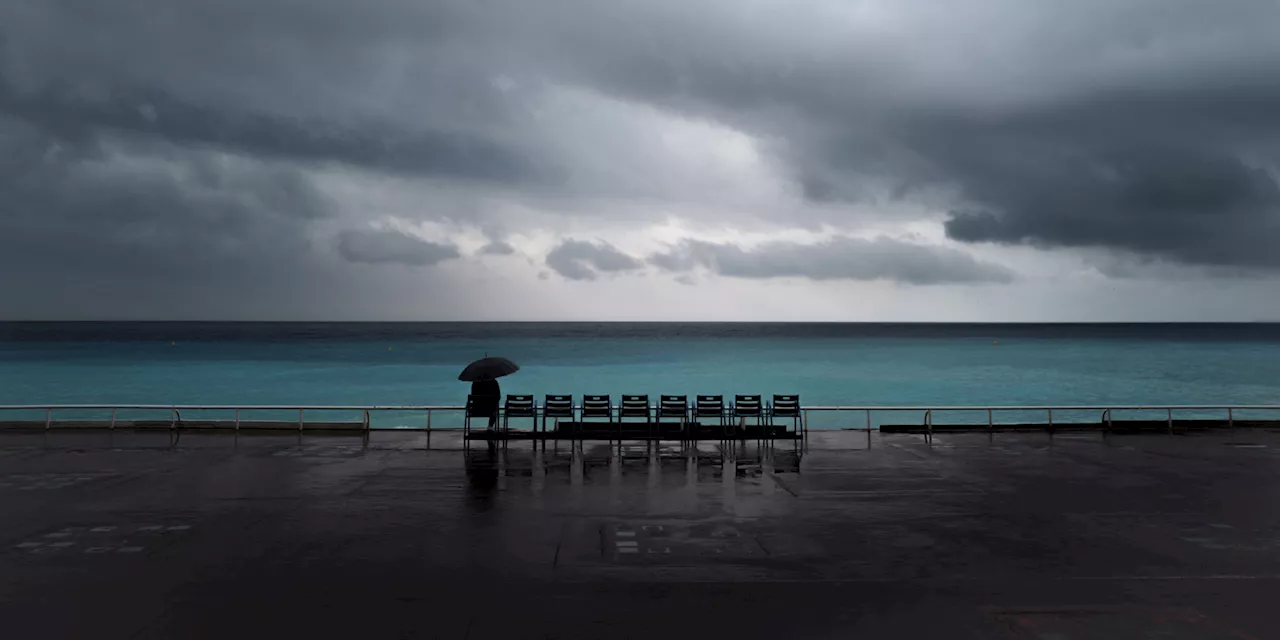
973	536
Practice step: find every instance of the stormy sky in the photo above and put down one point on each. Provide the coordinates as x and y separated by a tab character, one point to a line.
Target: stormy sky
972	160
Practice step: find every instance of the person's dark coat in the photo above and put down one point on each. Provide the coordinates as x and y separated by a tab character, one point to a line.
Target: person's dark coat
487	396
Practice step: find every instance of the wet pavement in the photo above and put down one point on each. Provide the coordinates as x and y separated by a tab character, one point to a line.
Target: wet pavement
973	536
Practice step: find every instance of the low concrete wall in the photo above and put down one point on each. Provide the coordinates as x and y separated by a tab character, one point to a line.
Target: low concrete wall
1116	426
185	425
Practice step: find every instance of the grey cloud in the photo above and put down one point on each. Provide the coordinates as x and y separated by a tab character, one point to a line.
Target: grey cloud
497	248
1025	132
1184	200
1128	126
169	139
77	118
392	247
582	260
149	200
151	169
116	230
835	259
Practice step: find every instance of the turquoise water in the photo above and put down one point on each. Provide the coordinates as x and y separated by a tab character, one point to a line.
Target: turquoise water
417	364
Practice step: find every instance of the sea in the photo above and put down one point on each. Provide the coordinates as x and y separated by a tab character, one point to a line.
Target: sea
827	364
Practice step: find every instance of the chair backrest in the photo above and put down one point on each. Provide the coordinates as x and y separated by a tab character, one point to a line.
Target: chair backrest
673	405
480	405
519	405
709	404
557	406
747	404
597	406
633	406
785	405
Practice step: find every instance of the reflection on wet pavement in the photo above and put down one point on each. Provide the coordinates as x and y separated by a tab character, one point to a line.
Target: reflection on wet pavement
856	536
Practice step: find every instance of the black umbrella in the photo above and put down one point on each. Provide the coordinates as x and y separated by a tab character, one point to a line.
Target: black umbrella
488	369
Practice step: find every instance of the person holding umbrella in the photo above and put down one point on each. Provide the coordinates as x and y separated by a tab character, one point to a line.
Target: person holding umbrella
483	375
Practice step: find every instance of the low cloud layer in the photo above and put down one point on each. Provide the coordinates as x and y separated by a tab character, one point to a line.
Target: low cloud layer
497	248
1191	206
146	210
392	247
582	260
835	259
60	110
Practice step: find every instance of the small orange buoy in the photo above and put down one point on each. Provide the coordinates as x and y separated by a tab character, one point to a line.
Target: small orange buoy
995	342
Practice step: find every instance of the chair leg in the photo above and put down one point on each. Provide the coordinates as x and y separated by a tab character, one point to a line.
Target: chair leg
795	439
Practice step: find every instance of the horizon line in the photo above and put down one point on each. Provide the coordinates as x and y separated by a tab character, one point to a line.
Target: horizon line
831	322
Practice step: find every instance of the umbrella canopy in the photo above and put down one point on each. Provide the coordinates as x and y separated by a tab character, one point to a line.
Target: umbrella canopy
488	369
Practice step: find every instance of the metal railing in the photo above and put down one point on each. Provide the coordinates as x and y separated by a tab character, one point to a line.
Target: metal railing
175	411
176	419
1048	410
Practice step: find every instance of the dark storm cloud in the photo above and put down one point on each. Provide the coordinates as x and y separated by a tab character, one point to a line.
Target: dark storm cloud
1186	175
392	247
66	200
1195	188
582	260
164	139
1148	128
1179	175
835	259
111	230
77	118
130	165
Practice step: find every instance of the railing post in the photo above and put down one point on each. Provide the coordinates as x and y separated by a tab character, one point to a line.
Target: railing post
868	428
237	420
48	418
300	419
1170	414
113	418
1231	423
1050	423
991	425
928	424
173	419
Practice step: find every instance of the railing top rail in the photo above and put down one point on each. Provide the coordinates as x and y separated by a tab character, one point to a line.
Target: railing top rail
233	407
274	407
1060	407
